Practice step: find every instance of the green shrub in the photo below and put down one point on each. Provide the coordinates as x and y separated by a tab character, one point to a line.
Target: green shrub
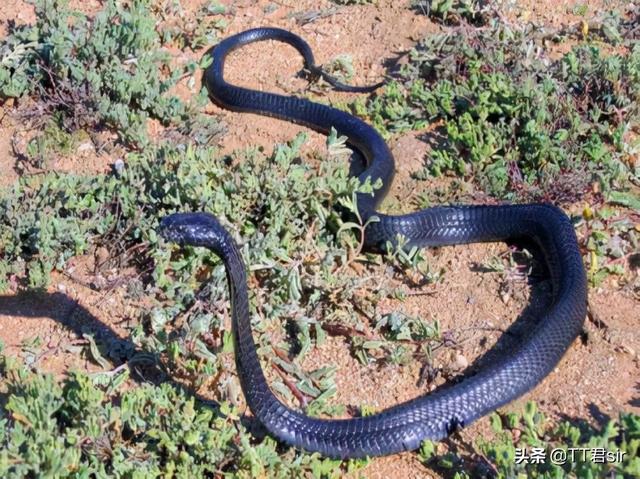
110	70
92	427
519	124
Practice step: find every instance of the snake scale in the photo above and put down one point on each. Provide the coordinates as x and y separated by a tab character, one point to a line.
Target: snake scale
432	416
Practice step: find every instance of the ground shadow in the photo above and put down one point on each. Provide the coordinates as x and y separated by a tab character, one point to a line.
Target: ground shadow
70	314
145	367
590	428
73	316
636	400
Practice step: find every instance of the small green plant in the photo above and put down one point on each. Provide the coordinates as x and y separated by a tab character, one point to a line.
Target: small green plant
193	31
52	141
611	240
341	67
452	11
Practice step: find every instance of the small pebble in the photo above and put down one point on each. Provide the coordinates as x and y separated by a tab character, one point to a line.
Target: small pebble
118	166
505	297
460	362
86	146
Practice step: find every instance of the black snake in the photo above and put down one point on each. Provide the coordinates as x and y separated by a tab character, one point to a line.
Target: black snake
433	416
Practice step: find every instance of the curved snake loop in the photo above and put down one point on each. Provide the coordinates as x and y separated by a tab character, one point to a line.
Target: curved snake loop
432	416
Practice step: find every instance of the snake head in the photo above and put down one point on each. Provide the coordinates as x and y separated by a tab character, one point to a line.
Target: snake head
194	229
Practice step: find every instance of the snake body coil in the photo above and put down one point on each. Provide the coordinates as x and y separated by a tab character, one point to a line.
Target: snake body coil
432	416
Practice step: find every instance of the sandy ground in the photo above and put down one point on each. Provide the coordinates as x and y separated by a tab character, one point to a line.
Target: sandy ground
598	377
